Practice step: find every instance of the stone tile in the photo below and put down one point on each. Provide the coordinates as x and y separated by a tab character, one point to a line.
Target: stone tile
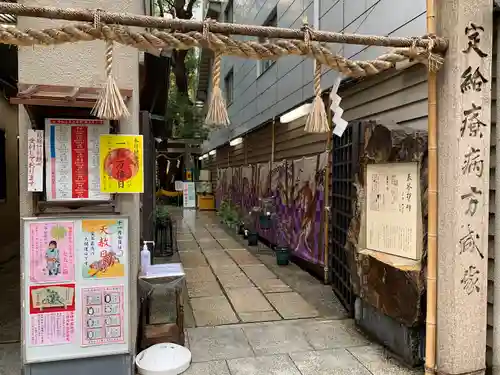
330	362
218	261
243	257
272	285
221	270
248	300
229	243
272	365
332	334
291	305
193	259
236	280
221	235
218	343
213	245
198	250
208	368
258	272
204	238
275	338
199	274
215	253
184	237
259	316
212	311
204	289
187	245
377	362
10	359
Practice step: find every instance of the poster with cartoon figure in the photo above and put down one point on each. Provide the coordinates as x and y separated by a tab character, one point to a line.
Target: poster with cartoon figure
51	252
102	248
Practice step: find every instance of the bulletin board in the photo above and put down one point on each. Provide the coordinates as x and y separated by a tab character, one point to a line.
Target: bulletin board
75	288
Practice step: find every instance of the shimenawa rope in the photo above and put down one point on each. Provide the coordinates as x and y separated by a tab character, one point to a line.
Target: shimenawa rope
156	39
110	104
217	112
316	121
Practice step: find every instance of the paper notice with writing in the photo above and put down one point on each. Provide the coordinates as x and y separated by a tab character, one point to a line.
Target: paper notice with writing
72	159
52	328
51	256
103	315
35	160
52	314
393	222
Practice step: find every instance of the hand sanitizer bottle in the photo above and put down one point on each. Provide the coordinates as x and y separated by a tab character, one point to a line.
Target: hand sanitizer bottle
145	259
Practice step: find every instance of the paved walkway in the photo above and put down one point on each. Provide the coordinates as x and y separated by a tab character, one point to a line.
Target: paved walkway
252	317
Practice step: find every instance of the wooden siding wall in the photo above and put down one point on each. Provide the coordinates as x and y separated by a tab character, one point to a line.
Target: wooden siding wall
292	142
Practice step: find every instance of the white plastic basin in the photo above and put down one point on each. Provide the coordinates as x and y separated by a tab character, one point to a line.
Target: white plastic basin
163	359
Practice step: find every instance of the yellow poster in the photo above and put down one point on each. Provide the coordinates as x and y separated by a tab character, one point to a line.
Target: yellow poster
121	163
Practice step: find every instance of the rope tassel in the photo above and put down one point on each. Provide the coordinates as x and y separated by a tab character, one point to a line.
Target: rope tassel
217	116
317	121
110	104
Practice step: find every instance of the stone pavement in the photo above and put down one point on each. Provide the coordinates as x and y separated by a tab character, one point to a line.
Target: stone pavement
252	317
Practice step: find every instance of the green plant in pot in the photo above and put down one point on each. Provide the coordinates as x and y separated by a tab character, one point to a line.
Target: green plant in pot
252	235
162	215
266	212
233	217
282	249
223	211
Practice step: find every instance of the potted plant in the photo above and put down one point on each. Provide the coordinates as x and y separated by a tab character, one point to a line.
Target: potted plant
282	249
223	211
265	212
232	219
251	227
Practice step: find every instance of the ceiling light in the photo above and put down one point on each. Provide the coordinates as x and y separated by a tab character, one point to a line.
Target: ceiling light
236	141
296	113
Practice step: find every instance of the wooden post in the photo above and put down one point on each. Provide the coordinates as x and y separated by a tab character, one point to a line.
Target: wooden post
464	125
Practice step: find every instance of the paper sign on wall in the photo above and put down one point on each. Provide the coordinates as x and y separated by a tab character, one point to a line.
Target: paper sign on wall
72	159
189	195
121	166
393	215
52	314
35	160
52	252
102	249
103	311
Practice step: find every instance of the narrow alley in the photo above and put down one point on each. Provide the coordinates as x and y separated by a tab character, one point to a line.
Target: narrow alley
247	316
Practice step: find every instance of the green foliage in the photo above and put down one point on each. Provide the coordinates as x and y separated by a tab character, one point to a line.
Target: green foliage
229	213
162	214
186	118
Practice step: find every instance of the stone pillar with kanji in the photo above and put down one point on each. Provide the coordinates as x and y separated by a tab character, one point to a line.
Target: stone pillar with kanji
464	132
